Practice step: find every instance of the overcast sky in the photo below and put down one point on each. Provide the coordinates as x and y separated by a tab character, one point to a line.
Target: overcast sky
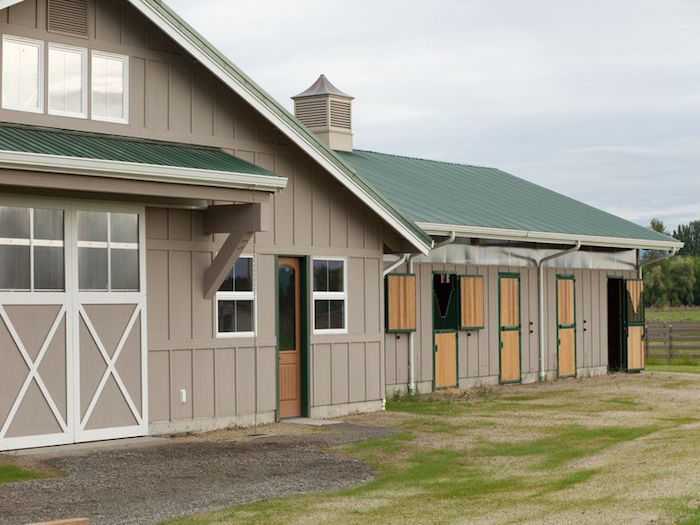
599	100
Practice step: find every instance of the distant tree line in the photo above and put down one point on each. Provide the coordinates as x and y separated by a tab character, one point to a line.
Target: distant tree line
675	281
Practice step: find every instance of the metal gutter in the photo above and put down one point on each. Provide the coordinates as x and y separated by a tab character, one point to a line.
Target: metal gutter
7	3
655	260
548	237
137	171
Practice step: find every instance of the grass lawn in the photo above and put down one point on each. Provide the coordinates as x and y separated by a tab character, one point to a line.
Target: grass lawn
687	369
11	473
673	314
620	449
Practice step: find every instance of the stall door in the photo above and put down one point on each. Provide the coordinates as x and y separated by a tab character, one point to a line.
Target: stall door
110	324
566	326
634	324
509	327
445	326
289	319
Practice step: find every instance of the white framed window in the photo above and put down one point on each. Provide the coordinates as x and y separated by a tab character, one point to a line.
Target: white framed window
67	81
32	249
235	301
110	87
330	295
22	74
108	251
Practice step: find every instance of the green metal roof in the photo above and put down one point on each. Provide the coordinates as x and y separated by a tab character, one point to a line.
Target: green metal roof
427	191
46	141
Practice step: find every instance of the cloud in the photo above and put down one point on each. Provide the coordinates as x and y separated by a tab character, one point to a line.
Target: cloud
599	100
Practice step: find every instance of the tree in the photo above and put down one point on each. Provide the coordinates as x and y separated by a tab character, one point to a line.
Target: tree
690	235
680	280
655	293
657	225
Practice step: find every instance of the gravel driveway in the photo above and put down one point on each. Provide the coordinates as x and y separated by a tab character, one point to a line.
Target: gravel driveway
148	484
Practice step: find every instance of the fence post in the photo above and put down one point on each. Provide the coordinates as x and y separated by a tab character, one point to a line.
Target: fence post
670	343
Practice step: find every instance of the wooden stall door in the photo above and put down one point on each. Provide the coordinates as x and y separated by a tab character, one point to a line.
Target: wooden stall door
566	326
445	359
509	327
634	325
289	319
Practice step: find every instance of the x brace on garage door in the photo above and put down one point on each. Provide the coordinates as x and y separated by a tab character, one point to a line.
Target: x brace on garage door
72	322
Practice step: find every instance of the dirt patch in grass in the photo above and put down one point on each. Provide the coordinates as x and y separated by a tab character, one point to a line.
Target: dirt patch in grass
574	452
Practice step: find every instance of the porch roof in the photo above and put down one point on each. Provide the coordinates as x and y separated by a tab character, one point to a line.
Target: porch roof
63	151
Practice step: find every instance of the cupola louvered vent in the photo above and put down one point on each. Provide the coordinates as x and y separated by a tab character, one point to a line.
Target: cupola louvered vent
313	112
327	111
340	114
69	17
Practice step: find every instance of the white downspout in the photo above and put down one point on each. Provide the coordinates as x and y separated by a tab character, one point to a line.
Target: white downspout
411	336
540	282
655	260
398	263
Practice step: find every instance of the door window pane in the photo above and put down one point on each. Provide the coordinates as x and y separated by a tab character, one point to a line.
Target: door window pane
109	87
125	227
14	268
287	309
48	225
92	268
48	268
125	269
14	223
92	226
67	81
22	88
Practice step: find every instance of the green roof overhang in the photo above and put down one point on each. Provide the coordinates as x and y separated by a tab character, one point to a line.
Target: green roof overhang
60	151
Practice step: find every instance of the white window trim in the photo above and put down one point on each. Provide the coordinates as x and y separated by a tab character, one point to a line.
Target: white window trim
337	296
40	77
84	81
238	296
125	60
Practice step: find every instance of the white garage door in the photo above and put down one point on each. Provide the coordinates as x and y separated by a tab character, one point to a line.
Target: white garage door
72	323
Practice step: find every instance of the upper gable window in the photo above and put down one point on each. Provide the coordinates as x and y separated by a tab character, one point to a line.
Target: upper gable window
22	74
67	81
110	87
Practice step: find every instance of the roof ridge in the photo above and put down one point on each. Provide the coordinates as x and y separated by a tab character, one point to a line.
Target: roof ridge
409	157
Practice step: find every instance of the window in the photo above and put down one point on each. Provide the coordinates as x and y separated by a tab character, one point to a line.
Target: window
235	301
329	296
110	87
22	74
108	251
472	302
67	81
31	249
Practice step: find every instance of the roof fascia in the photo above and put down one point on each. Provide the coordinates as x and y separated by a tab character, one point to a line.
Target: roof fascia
138	171
8	3
547	237
219	65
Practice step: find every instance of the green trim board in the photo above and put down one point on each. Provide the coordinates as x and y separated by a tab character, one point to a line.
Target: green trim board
513	328
565	277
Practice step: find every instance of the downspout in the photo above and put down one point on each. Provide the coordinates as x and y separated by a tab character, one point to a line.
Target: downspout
540	282
398	263
412	336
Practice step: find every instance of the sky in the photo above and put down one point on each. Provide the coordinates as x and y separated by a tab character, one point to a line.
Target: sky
599	100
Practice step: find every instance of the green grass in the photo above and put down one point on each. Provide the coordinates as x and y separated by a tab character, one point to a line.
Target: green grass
687	369
674	314
568	443
12	474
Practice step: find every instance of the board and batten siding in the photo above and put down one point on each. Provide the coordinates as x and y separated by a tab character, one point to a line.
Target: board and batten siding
171	96
479	350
